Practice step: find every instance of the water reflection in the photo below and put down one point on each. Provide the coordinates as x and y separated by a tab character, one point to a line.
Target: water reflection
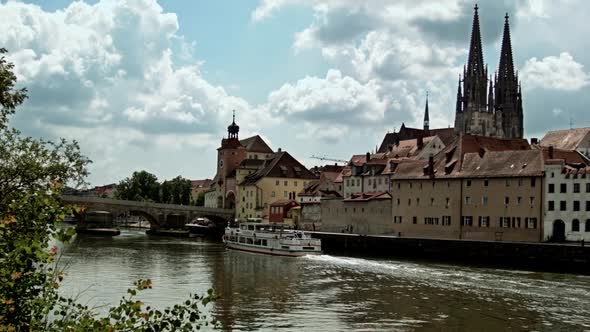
325	292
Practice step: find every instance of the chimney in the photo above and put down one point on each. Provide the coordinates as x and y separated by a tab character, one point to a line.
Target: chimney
431	167
534	141
280	150
481	152
391	166
368	157
420	140
551	152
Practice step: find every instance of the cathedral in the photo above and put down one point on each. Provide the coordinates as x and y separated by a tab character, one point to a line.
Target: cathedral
489	106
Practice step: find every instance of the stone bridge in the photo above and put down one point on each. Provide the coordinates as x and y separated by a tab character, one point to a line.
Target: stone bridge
160	216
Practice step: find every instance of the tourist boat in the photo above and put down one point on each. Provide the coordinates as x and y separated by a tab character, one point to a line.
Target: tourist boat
270	239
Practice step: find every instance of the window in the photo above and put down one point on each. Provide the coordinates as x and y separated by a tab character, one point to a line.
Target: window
587	205
532	201
285	194
484	221
431	201
507	183
417	201
273	194
576	205
551	188
518	200
484	200
446	220
563	188
486	182
410	185
414	220
447	202
468	184
348	182
562	206
587	226
515	222
506	200
409	201
531	223
575	225
278	182
552	174
467	221
398	201
576	187
295	183
397	219
520	182
369	181
505	222
588	187
399	185
533	182
551	205
286	183
467	200
358	182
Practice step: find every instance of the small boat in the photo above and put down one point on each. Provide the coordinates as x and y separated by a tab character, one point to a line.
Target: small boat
201	227
270	239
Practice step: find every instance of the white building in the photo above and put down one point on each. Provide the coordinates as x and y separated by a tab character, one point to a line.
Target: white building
567	201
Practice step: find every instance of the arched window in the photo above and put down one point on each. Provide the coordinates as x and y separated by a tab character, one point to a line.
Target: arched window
587	226
575	225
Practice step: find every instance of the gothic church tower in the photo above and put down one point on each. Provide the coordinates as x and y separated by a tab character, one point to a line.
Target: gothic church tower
484	108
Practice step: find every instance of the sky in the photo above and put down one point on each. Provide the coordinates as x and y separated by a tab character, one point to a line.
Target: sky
151	85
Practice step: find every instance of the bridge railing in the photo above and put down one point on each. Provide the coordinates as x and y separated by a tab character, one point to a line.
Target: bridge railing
111	201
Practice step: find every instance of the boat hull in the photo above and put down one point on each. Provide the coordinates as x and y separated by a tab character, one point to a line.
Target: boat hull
269	251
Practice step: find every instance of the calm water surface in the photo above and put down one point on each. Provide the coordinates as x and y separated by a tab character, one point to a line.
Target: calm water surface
326	293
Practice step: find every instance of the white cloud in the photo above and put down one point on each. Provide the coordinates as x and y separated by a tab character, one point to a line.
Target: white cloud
557	73
333	99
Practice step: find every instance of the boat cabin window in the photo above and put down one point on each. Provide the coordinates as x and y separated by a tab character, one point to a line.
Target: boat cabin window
249	241
264	243
242	240
250	227
285	247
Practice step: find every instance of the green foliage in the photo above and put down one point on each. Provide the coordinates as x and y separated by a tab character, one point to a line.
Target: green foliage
141	186
32	175
9	97
200	200
176	191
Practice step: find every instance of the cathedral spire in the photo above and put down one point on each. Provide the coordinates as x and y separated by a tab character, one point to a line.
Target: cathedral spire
475	63
506	67
426	117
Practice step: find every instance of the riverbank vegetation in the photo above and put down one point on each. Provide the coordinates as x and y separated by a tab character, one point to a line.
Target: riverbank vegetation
32	174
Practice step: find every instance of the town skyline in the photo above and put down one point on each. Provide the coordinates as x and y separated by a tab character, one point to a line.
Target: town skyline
340	75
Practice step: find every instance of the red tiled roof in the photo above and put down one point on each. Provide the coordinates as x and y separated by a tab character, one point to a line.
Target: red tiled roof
569	156
201	183
368	196
256	144
449	161
281	165
568	139
284	202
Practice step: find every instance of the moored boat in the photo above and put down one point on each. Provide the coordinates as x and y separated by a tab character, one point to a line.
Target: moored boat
201	227
270	239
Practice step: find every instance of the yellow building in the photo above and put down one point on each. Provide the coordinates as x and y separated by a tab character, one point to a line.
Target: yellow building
280	177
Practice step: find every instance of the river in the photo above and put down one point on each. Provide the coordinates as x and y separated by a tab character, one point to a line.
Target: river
327	293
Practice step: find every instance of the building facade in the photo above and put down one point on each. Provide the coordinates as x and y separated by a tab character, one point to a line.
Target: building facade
567	207
278	178
368	214
482	195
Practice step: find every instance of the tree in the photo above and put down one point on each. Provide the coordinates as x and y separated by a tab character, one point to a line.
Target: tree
176	191
200	200
33	173
141	186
